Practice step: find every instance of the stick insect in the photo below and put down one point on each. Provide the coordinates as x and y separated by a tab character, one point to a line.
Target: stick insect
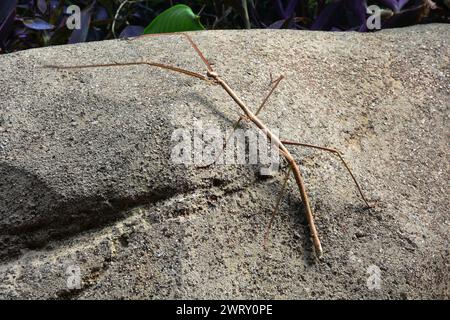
213	77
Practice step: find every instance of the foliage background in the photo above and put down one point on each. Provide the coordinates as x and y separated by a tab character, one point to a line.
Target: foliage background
35	23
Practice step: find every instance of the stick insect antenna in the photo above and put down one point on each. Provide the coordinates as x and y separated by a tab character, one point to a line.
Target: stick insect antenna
122	64
191	42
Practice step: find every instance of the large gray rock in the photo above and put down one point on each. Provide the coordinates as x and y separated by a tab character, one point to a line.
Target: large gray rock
87	184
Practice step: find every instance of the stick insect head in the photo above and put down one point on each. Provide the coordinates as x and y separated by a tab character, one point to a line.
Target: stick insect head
212	74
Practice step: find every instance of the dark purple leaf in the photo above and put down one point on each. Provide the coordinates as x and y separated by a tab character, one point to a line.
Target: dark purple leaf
325	19
131	31
37	24
391	4
101	13
95	34
42	5
356	10
342	15
288	23
5	26
6	6
6	23
20	31
109	6
277	24
54	4
290	8
394	5
280	8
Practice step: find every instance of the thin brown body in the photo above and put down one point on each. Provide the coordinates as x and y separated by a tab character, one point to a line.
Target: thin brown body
285	152
213	77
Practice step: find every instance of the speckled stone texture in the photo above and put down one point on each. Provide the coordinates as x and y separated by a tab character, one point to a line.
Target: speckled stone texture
87	184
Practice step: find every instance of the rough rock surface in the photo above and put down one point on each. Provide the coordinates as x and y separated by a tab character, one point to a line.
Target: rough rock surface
87	184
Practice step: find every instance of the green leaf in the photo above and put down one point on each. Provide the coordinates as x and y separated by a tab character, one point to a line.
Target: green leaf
175	19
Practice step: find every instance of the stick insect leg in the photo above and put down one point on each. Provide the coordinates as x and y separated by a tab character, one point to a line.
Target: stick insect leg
274	84
339	154
191	42
122	64
277	206
154	64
